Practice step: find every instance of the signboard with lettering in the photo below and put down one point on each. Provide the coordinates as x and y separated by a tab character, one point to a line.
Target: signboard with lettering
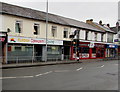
3	39
112	46
13	39
91	45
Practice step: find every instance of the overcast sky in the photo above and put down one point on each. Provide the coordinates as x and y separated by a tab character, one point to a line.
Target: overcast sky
105	10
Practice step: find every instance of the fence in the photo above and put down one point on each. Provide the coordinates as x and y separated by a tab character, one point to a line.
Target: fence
37	59
34	59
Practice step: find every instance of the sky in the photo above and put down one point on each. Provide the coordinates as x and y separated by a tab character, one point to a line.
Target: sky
82	10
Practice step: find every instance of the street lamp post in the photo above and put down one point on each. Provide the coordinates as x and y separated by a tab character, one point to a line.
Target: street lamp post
77	45
46	30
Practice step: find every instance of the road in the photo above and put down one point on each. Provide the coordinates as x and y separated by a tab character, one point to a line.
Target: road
101	75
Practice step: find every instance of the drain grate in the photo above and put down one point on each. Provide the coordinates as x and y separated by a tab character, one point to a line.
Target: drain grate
111	74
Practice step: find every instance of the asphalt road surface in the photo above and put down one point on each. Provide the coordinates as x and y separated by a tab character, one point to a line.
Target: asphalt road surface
101	75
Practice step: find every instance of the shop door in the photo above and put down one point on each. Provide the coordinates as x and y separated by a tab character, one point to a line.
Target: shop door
100	53
66	52
38	52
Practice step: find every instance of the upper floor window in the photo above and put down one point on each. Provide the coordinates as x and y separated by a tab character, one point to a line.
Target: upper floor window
110	38
118	35
36	29
102	37
86	35
95	36
18	26
65	35
54	31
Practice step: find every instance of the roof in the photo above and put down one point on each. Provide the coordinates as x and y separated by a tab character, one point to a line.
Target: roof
115	29
105	28
39	15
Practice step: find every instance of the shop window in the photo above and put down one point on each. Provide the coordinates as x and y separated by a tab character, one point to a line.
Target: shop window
18	26
74	49
95	36
18	48
36	29
86	35
118	35
54	31
102	37
53	50
30	49
93	50
9	48
84	50
110	38
65	32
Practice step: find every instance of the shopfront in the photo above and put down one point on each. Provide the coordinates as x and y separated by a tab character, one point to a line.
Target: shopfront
28	49
89	50
111	50
3	41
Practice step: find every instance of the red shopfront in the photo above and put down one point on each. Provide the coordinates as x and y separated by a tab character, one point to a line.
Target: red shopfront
3	41
89	50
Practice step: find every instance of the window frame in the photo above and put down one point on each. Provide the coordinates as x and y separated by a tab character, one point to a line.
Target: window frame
65	35
86	35
20	26
36	32
54	31
95	37
102	37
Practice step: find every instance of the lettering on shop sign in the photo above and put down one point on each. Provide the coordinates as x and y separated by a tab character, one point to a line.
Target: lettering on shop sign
37	41
50	42
2	39
84	45
96	45
23	40
13	39
112	46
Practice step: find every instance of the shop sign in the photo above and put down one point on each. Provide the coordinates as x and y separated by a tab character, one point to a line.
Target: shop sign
116	40
2	34
99	45
112	46
83	44
37	41
93	55
2	39
91	45
12	39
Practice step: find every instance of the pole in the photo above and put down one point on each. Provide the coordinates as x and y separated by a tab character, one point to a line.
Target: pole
78	44
46	29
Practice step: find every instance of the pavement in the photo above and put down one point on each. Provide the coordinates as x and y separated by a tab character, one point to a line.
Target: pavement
18	65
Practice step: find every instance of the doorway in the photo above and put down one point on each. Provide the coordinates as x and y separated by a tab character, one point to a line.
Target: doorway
66	52
38	52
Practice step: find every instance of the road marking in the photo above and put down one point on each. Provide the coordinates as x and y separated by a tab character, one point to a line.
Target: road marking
61	70
79	68
101	66
16	77
48	72
7	78
43	73
25	76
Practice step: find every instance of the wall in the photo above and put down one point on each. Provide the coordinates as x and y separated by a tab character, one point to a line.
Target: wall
27	28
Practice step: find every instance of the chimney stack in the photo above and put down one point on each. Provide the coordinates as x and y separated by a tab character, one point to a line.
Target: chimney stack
89	21
108	25
100	22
